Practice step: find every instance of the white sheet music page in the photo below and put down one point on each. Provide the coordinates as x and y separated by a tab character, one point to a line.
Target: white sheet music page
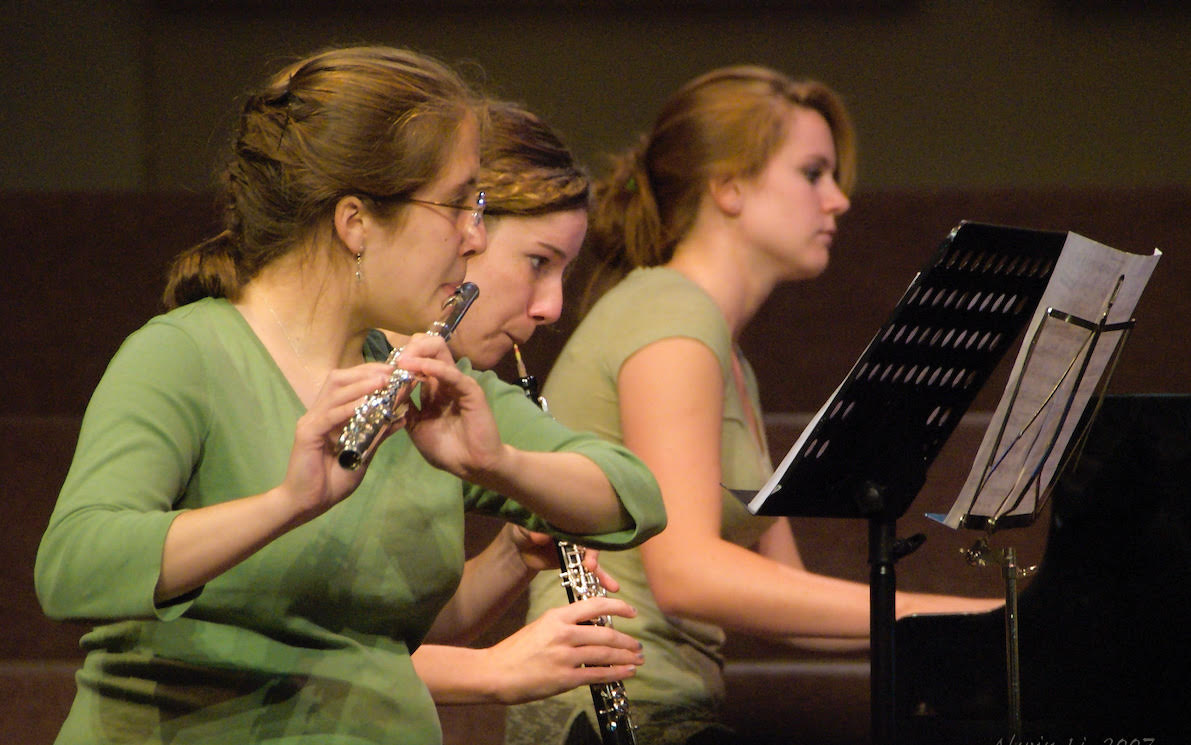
1058	368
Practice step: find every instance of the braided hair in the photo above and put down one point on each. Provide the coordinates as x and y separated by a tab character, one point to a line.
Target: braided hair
357	120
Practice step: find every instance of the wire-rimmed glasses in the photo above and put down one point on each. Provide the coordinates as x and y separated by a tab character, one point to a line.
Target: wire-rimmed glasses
476	209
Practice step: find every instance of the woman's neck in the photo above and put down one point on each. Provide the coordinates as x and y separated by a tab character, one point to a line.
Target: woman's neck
303	322
719	266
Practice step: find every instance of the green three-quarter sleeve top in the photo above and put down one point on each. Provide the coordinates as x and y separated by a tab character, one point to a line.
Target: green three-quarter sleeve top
309	639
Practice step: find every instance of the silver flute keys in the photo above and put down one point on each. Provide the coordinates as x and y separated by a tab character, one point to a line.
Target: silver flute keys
386	406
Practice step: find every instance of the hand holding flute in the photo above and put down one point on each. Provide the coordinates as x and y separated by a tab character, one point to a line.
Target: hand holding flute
374	399
387	407
205	542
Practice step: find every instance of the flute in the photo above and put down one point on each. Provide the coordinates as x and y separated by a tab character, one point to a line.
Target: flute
611	703
385	406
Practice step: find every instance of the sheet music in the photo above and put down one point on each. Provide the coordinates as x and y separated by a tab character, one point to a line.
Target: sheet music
1046	394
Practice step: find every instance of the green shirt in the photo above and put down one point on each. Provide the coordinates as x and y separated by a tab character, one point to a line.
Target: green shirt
307	640
682	657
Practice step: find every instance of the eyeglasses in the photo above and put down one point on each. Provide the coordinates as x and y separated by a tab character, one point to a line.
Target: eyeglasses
475	220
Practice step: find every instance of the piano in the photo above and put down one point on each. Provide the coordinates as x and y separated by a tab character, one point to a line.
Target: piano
1104	624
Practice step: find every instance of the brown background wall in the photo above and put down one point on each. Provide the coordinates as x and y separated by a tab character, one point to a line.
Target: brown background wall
1039	113
139	94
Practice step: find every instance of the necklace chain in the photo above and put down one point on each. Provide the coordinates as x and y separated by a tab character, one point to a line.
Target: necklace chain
290	341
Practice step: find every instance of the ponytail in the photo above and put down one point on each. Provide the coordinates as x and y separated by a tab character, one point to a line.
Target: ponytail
205	270
625	230
728	122
357	120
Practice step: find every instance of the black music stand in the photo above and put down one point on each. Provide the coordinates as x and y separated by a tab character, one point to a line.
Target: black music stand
866	453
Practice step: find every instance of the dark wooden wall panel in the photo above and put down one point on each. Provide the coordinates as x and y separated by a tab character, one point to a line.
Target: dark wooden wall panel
84	270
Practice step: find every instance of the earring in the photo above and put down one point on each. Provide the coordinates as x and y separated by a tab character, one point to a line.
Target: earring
360	265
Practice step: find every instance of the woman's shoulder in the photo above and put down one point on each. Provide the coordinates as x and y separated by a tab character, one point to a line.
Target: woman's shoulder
208	314
657	303
191	332
657	285
170	362
193	320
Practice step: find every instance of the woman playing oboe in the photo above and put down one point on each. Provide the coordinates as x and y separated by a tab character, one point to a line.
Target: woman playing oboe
536	217
248	588
737	188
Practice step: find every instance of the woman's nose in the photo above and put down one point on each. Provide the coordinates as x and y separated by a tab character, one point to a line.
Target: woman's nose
546	306
475	240
836	202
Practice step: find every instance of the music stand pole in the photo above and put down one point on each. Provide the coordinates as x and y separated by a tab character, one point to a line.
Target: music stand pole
882	595
884	550
1012	654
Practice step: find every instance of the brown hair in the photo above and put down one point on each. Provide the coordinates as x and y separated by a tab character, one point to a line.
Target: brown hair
360	120
728	122
525	168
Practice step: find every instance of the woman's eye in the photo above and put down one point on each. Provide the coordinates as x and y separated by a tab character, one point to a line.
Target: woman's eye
538	262
813	174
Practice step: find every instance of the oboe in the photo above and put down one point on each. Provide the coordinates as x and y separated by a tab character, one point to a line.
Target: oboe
386	406
611	703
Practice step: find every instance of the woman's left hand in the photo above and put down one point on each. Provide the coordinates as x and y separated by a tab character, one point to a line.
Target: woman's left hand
563	649
453	428
538	553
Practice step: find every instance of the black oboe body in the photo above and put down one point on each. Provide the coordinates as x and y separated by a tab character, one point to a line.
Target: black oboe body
611	703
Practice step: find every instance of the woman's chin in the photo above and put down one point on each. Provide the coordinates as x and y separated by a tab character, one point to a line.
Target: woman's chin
489	355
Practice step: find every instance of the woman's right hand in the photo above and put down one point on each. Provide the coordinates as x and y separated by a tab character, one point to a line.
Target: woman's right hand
203	543
559	651
455	427
314	480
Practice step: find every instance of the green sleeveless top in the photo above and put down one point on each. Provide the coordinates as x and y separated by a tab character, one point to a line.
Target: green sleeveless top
682	657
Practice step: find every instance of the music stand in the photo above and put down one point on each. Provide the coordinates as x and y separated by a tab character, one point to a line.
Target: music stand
1030	479
1042	421
866	453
